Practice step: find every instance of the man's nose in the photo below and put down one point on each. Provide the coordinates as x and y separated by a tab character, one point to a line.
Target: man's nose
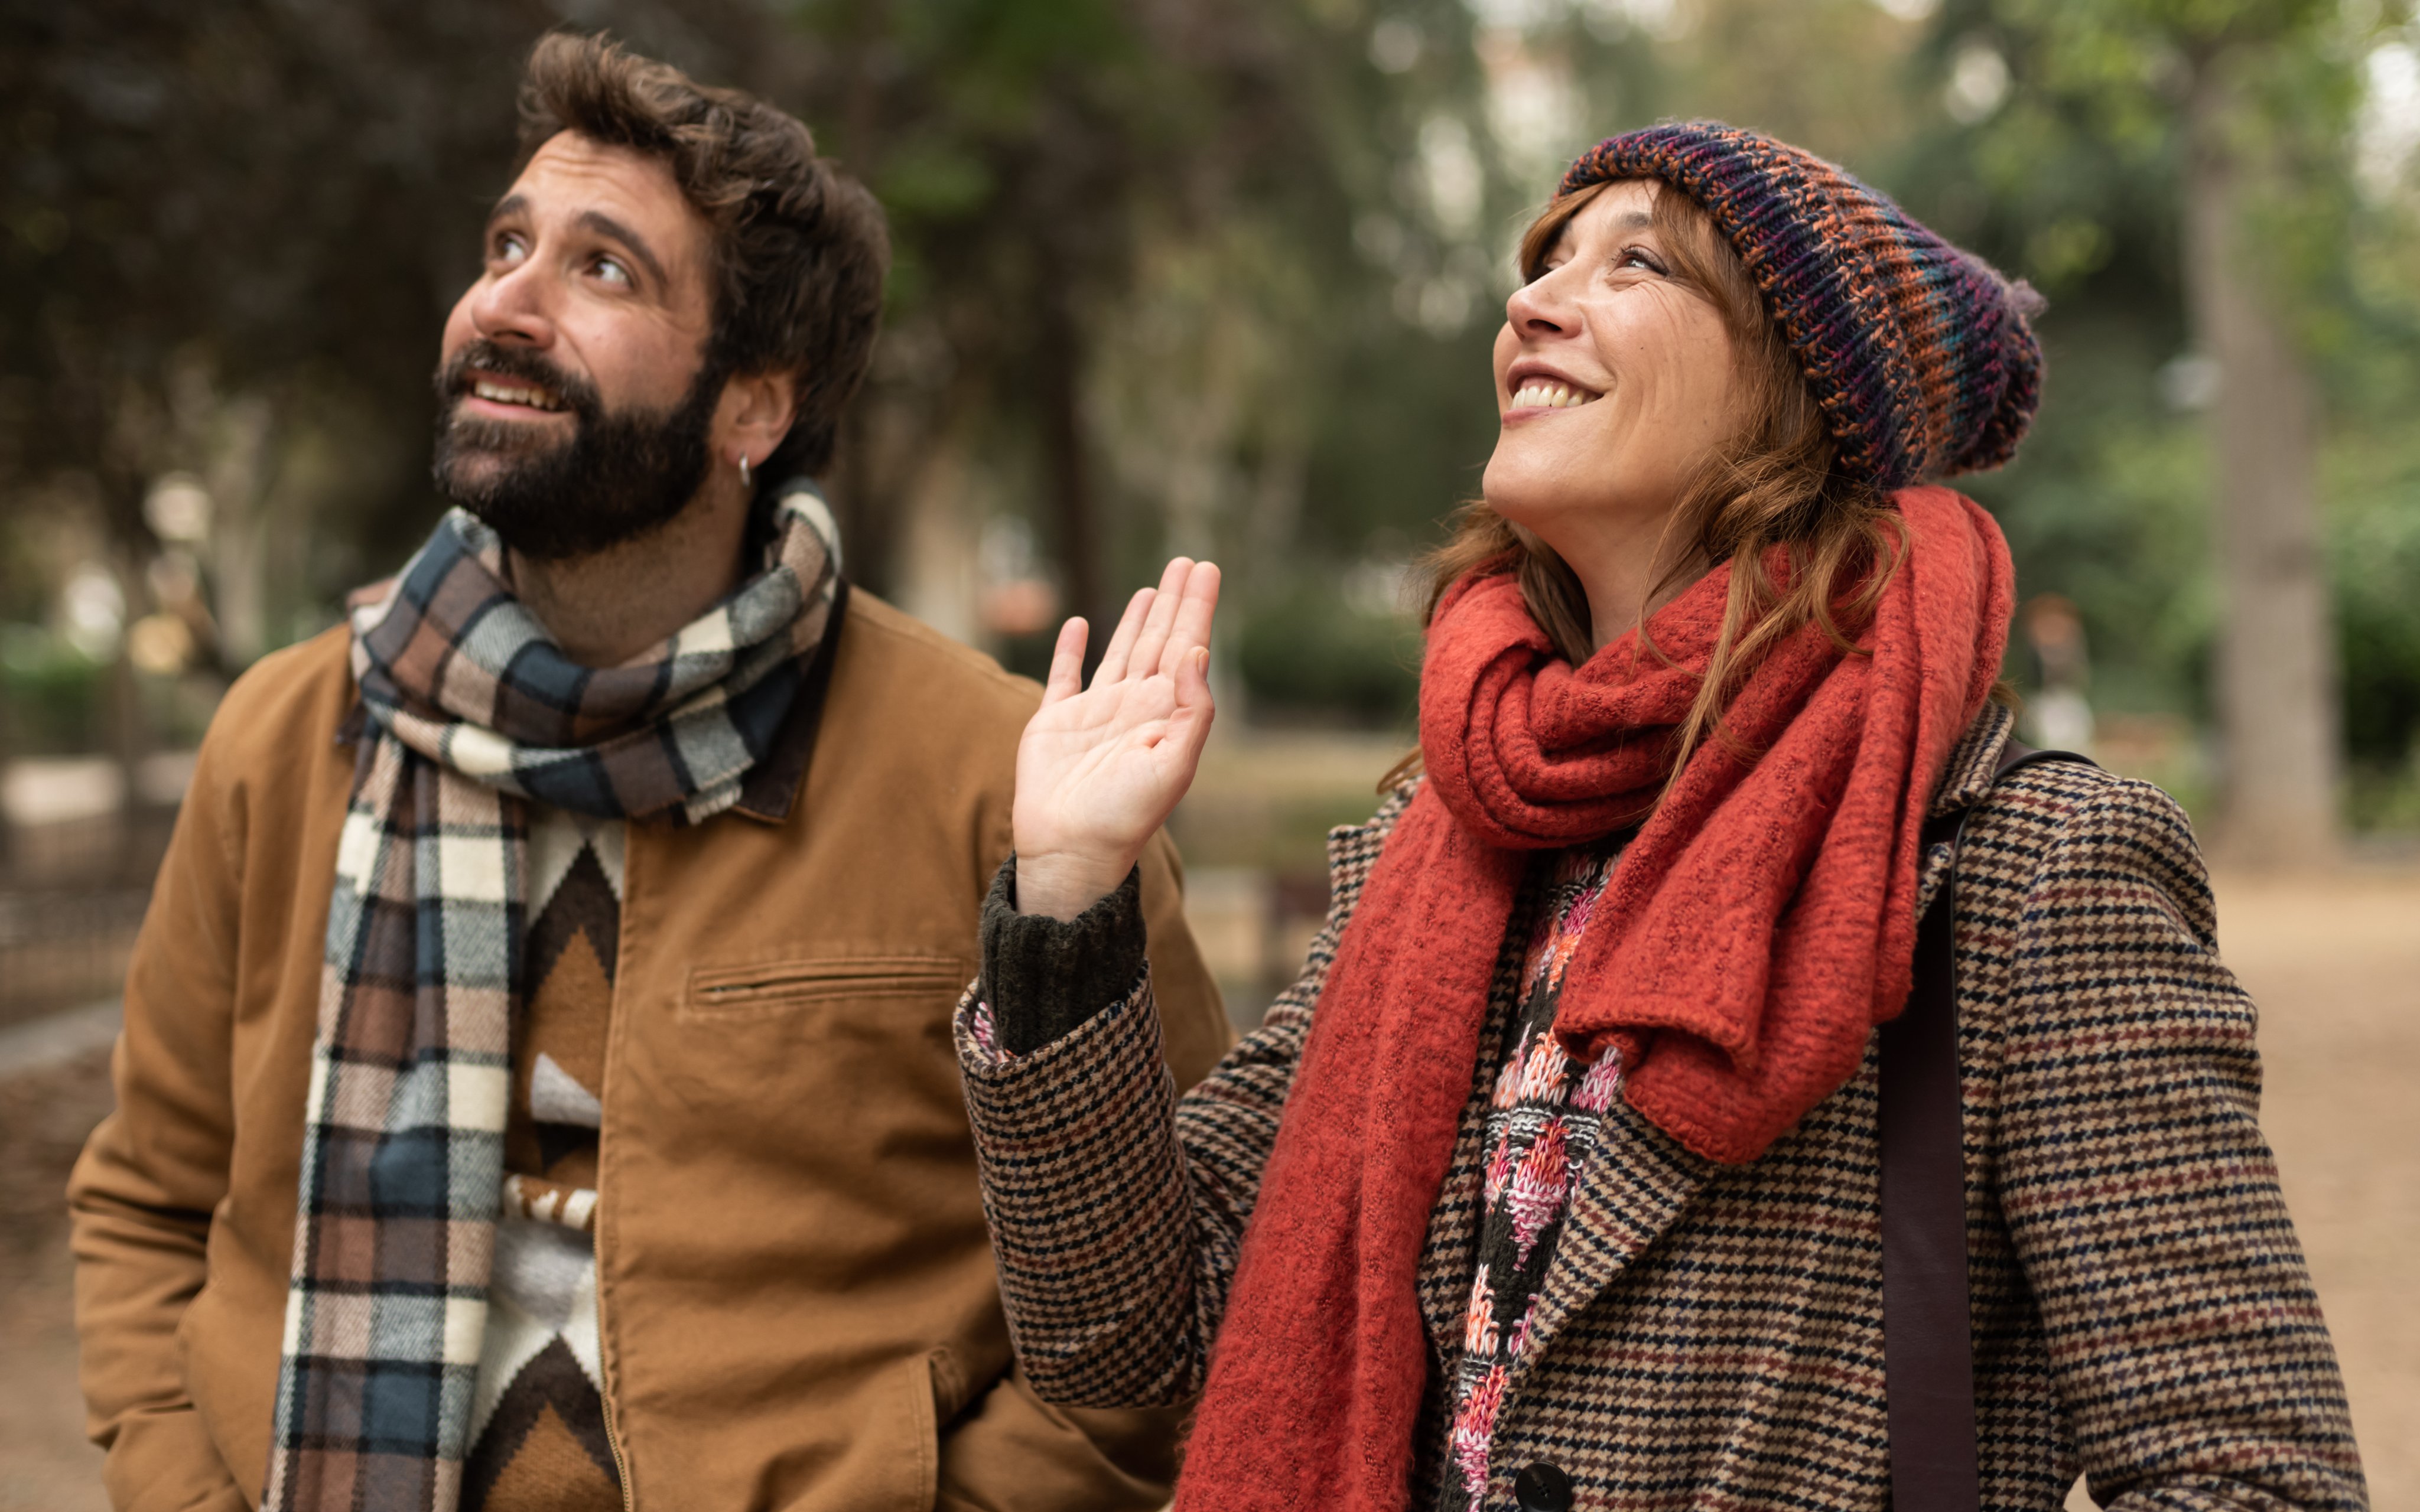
514	308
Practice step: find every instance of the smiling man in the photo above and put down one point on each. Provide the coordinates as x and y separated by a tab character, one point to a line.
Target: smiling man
536	1088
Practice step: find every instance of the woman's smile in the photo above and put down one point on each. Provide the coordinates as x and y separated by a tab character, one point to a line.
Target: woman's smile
1535	388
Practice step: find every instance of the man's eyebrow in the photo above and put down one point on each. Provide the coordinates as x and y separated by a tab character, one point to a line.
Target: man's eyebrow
605	226
598	222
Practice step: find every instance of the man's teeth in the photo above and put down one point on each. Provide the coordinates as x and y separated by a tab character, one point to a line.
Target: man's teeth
1540	393
506	394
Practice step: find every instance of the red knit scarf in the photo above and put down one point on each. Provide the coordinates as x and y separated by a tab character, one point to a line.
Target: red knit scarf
1755	931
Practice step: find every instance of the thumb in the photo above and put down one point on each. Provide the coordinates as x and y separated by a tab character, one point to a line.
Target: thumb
1195	708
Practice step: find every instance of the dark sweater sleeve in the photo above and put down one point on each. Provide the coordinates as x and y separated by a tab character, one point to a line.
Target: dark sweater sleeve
1043	977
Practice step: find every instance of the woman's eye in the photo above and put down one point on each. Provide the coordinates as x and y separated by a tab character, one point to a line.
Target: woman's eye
1639	258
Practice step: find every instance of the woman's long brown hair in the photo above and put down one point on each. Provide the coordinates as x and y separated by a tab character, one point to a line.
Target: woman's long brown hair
1774	485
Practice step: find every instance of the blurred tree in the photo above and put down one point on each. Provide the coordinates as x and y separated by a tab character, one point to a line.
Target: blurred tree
1125	267
2229	120
2278	685
229	234
1210	276
231	231
1009	140
2179	176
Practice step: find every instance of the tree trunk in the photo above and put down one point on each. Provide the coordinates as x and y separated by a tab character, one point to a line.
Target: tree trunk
2277	689
939	571
855	498
242	533
1058	357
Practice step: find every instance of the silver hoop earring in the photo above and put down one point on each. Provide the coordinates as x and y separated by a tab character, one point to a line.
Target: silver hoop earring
743	469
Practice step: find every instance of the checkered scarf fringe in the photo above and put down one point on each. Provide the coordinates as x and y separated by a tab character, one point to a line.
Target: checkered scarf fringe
469	708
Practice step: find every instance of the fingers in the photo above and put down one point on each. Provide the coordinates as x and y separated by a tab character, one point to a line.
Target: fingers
1195	606
1148	647
1119	655
1161	625
1066	663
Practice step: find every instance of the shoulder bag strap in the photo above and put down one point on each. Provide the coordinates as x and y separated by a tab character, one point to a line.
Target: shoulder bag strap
1927	1342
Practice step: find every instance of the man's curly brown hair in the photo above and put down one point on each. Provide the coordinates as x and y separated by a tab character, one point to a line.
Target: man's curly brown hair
800	248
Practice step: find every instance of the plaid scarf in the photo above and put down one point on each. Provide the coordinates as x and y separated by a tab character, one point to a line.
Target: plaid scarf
468	708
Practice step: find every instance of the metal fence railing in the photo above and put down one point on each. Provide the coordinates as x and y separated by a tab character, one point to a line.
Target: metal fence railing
59	950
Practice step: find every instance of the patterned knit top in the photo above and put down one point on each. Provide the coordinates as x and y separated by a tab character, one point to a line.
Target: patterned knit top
1542	1124
537	1414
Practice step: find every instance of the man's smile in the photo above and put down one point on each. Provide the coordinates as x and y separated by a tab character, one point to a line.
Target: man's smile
509	396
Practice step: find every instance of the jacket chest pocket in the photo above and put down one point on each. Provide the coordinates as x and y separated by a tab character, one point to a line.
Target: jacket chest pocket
734	994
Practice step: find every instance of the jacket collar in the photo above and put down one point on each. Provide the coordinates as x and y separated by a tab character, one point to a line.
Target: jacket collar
1974	766
1974	761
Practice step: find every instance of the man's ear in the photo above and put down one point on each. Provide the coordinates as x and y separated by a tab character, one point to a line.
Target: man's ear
756	413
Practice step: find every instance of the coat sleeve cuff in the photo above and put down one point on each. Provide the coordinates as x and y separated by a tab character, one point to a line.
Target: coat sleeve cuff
1043	977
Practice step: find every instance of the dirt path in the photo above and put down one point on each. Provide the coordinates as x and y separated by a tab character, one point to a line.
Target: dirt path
45	1465
2335	968
2335	964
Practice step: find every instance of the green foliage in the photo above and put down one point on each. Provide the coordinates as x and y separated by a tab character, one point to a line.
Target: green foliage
1196	277
287	197
2106	507
49	693
2375	555
2082	174
1310	656
2378	561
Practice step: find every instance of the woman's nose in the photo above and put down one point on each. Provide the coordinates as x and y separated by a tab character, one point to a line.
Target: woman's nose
1536	308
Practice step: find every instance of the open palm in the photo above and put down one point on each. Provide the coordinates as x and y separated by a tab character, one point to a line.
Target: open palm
1101	767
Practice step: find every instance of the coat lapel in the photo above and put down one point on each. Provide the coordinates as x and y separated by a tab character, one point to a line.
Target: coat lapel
1632	1189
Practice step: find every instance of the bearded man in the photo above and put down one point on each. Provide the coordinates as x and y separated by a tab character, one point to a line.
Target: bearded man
536	1088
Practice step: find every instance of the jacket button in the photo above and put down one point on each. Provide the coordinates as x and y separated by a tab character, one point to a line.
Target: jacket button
1542	1487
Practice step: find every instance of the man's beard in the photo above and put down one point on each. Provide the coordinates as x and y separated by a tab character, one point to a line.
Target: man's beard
622	473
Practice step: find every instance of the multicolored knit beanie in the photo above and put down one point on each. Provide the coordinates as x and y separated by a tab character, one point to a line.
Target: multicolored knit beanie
1919	354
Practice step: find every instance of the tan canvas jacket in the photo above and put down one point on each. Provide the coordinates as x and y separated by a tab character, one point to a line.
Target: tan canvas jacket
798	1308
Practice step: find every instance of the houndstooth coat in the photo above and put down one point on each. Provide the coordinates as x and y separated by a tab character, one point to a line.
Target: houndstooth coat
1710	1336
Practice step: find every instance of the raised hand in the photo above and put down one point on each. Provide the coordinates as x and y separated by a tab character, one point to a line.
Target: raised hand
1101	767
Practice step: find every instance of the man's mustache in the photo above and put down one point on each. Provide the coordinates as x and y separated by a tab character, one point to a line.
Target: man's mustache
513	362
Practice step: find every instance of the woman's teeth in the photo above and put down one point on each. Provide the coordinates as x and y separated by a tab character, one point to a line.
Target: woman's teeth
506	394
1539	394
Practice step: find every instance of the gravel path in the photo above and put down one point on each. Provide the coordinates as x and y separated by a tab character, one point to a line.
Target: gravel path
2334	962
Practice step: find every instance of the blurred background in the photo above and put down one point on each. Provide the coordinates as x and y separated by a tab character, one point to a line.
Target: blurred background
1219	277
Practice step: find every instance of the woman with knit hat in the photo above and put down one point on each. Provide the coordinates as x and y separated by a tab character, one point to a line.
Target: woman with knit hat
1576	1169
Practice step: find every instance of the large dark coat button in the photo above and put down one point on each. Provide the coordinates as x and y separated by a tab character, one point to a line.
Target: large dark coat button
1542	1487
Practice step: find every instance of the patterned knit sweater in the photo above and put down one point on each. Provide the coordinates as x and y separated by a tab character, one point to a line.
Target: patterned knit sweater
1542	1122
538	1417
